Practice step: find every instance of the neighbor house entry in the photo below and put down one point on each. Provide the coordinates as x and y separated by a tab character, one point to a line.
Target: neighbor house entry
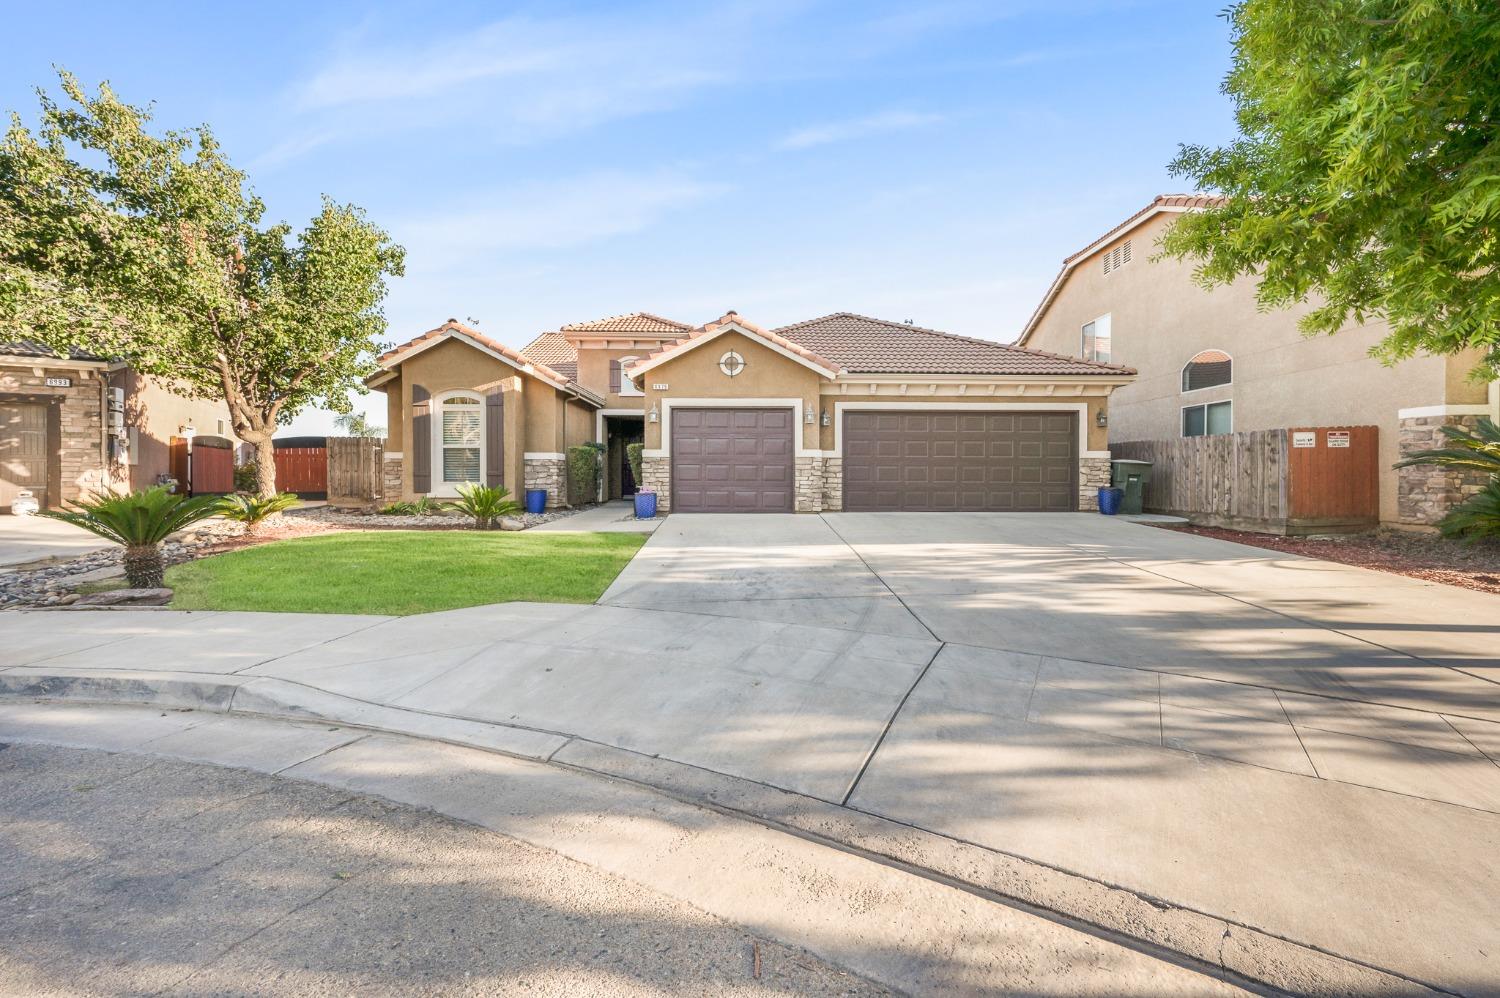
25	455
732	460
953	461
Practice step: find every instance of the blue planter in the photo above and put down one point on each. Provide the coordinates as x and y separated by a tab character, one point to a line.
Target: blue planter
1109	500
536	500
645	505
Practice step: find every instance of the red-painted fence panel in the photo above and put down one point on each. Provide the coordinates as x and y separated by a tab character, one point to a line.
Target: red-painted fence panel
303	470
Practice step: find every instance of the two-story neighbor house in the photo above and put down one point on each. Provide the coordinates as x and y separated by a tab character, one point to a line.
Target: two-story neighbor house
1212	362
840	412
83	423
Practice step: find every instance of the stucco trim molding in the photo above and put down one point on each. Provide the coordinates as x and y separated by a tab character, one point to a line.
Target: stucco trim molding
1080	408
599	415
794	404
1424	411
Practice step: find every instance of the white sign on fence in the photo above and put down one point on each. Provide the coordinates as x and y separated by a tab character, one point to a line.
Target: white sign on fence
1338	438
1304	438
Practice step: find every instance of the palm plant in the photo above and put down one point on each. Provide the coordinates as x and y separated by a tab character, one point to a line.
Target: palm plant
139	521
1469	450
484	503
254	511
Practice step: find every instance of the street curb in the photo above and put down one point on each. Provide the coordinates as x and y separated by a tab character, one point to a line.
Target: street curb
1217	947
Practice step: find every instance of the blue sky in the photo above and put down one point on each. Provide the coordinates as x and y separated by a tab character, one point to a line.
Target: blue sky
550	163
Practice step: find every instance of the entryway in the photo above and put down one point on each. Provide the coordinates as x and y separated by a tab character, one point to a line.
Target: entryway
24	452
620	431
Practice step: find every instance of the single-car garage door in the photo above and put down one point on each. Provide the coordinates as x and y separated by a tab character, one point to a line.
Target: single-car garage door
960	461
732	460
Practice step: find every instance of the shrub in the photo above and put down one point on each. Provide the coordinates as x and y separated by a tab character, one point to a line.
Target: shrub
422	507
139	521
633	453
244	477
583	473
1471	450
484	503
253	511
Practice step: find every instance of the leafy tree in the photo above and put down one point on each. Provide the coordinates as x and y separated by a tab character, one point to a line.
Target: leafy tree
356	425
139	521
150	248
1366	177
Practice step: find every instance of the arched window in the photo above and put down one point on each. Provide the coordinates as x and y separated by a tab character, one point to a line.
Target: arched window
1207	369
459	455
627	387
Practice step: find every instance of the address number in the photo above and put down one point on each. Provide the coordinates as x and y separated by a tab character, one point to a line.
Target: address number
58	382
660	388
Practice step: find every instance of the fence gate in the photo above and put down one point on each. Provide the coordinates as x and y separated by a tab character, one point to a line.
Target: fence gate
303	470
355	469
202	465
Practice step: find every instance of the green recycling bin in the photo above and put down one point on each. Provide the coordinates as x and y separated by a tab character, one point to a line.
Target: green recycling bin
1132	477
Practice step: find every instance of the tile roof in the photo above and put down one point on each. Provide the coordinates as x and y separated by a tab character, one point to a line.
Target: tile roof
1160	203
29	348
554	350
862	345
831	368
635	322
546	371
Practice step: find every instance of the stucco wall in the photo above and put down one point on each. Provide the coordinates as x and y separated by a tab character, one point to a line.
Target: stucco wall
767	374
593	373
158	414
1160	319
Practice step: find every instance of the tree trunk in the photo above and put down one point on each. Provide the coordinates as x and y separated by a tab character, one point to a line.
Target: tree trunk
265	467
143	567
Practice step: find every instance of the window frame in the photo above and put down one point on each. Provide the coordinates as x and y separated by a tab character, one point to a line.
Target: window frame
628	389
1205	406
1182	374
1108	319
440	404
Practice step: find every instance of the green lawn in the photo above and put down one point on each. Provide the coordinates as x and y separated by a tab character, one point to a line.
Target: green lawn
404	571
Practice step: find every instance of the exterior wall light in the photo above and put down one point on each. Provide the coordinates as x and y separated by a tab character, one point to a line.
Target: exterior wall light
812	417
655	415
827	418
1102	419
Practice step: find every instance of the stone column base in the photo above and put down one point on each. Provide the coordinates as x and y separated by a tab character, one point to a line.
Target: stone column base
807	496
833	484
391	478
1093	474
546	473
656	476
1426	492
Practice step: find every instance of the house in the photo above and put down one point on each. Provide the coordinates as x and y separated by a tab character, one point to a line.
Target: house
1211	362
840	412
82	423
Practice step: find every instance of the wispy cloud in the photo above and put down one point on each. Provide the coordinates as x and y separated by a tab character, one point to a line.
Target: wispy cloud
857	128
552	215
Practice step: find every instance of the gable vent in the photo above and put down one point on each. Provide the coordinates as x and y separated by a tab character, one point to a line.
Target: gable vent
1117	257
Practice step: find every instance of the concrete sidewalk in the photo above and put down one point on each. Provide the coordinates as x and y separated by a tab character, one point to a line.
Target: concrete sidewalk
1215	727
616	516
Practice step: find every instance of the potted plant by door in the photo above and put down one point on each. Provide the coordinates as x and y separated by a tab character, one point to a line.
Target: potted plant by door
645	499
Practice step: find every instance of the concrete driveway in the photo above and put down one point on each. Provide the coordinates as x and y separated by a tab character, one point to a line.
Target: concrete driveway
1275	741
28	539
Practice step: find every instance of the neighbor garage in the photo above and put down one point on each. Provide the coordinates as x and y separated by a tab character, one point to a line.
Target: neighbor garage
952	461
732	460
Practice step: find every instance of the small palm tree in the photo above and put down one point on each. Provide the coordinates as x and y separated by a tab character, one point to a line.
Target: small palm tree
484	503
254	511
139	521
1471	450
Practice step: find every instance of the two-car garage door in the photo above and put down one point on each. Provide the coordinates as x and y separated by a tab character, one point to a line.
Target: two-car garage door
960	461
740	460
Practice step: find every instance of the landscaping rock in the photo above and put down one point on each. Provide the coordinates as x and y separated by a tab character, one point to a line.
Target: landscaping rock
126	597
511	523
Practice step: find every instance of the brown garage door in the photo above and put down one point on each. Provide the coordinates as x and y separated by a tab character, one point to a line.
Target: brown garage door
937	461
732	460
23	451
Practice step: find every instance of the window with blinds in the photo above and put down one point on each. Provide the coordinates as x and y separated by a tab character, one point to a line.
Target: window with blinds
462	439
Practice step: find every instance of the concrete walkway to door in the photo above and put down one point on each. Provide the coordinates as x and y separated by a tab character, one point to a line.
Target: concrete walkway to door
1301	748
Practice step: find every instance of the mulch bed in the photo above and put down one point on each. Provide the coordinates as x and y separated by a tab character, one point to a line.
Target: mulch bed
1425	556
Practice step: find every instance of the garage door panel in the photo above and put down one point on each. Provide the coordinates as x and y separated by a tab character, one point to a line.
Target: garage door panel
733	460
956	460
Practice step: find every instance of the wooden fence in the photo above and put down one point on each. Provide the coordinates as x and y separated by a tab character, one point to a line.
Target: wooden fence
202	466
303	470
1295	481
355	469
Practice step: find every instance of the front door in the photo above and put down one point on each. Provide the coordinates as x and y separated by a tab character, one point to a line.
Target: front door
23	452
